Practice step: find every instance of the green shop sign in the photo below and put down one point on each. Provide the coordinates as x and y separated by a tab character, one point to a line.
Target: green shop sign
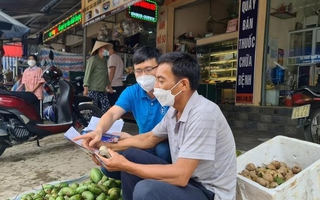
62	26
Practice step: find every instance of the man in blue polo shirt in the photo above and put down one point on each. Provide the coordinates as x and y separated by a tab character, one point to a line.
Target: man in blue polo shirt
138	99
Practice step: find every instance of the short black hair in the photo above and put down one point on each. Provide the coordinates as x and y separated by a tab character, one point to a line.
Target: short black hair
183	66
34	57
145	53
114	44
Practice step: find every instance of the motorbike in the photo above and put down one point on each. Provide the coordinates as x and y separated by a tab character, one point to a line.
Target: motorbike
306	100
20	112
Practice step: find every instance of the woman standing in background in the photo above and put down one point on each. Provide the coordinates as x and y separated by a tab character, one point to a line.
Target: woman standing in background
32	78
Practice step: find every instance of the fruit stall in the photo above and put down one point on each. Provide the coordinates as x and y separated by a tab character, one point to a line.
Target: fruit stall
280	168
94	186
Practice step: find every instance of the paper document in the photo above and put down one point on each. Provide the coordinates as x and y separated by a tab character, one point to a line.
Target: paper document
116	126
112	135
71	134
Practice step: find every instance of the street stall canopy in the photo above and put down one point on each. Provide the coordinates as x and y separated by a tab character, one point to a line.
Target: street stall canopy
11	28
39	15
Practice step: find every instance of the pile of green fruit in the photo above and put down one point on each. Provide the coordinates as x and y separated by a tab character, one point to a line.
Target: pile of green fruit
98	187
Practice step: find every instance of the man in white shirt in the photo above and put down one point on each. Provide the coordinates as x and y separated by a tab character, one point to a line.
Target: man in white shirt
201	143
116	68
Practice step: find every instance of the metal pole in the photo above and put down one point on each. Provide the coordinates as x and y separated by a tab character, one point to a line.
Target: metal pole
84	45
265	55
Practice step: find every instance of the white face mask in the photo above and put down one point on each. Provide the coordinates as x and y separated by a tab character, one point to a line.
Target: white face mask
31	63
165	97
146	82
105	52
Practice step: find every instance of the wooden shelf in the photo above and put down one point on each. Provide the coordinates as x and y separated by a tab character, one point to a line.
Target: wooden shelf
218	38
283	15
187	40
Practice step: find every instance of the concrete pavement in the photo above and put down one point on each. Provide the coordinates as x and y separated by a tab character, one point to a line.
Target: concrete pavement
245	139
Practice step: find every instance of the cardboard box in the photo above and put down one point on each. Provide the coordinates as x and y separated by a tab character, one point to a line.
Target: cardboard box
304	185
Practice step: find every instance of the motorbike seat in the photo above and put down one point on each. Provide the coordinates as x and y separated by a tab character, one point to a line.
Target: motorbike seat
64	102
28	96
313	89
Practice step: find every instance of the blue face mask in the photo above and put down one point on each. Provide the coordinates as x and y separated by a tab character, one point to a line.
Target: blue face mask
105	52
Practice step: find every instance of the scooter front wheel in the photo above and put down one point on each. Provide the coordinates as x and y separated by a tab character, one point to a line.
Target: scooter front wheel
87	111
312	131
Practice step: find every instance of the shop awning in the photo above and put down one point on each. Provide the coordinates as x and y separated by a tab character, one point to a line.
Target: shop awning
95	10
11	28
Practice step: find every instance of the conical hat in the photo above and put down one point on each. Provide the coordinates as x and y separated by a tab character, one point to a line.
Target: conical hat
98	45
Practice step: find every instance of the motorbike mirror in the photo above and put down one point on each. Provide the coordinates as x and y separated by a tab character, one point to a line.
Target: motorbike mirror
51	56
42	63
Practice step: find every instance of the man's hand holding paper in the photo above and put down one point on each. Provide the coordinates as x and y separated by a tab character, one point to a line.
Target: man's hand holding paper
96	138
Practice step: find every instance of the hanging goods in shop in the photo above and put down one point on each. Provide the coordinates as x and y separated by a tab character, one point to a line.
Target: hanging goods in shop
104	34
127	28
277	75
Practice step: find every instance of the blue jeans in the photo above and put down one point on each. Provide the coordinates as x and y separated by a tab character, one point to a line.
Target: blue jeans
135	188
161	150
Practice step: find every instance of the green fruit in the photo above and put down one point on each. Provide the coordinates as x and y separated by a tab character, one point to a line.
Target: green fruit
47	190
81	189
26	196
54	191
75	197
67	191
104	178
36	196
110	183
88	182
42	193
63	185
95	175
94	189
238	153
87	195
114	192
118	182
60	198
74	185
104	188
47	186
102	196
55	195
52	198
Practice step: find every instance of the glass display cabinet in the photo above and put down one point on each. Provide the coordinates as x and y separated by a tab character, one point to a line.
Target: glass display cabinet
217	58
218	61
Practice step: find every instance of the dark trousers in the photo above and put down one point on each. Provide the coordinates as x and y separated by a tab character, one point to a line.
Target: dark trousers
161	150
100	99
115	95
135	188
